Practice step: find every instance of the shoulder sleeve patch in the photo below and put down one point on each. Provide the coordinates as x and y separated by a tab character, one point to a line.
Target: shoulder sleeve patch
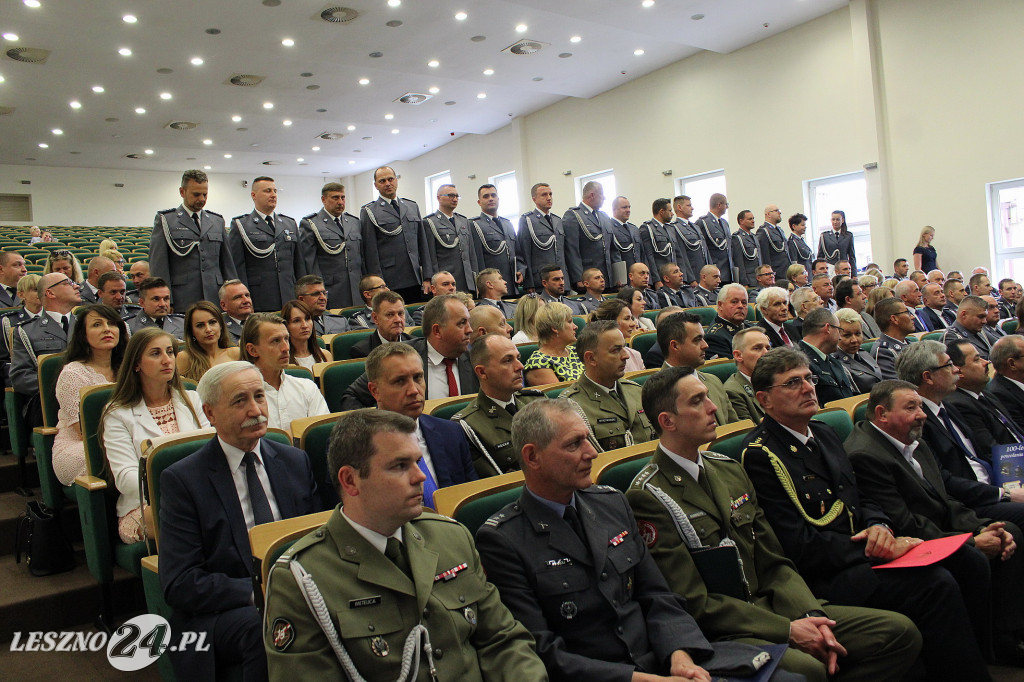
648	532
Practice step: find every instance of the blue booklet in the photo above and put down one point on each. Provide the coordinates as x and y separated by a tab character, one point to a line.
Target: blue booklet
1008	465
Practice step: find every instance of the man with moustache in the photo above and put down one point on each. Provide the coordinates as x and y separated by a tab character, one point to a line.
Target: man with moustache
332	247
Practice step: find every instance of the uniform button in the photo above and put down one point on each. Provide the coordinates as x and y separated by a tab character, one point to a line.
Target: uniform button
619	629
426	613
604	576
370	628
438	653
567	584
615	602
462	599
840	487
629	560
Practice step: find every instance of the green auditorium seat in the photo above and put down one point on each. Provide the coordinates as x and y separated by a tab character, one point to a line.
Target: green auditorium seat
338	376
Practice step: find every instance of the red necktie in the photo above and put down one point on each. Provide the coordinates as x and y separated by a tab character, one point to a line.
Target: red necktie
453	386
785	336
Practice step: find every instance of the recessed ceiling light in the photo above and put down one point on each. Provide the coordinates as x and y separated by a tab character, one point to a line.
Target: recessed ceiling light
481	95
75	104
300	159
268	105
236	118
97	89
140	110
165	95
316	149
460	16
521	28
394	3
388	117
394	131
351	128
207	142
125	52
433	63
207	167
434	90
488	72
34	4
129	19
196	61
43	145
149	151
13	37
288	42
227	156
647	4
57	131
364	81
352	163
639	52
287	122
1	79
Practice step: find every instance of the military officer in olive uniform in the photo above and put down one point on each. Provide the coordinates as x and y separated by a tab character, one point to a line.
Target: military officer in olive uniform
265	245
331	244
384	569
541	238
687	502
487	420
188	247
494	239
610	405
394	245
588	238
449	241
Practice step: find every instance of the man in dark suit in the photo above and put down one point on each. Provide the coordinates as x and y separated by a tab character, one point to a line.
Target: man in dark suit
820	339
12	269
1007	386
209	502
773	304
540	240
265	246
394	373
985	418
189	247
930	313
388	318
714	230
394	245
443	350
834	535
588	238
332	247
955	292
494	240
449	242
898	472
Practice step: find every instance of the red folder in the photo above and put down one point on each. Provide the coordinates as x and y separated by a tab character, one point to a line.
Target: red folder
928	552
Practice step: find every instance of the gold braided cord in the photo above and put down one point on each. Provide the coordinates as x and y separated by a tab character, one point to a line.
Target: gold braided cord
787	484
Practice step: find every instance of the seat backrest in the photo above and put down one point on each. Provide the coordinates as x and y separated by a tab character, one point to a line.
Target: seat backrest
839	419
868	346
707	314
474	502
643	341
299	371
722	368
526	350
337	377
580	323
621	475
751	312
473	514
93	399
314	436
415	332
351	310
642	375
1008	326
341	344
860	413
936	335
652	315
731	445
446	408
49	369
269	541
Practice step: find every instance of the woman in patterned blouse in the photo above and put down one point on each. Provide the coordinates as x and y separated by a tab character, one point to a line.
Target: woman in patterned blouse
555	360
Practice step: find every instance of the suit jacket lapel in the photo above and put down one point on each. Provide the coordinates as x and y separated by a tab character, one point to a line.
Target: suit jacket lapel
185	220
373	566
260	224
597	537
325	221
423	562
224	485
276	474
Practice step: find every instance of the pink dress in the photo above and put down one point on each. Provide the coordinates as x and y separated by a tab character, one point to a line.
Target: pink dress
68	448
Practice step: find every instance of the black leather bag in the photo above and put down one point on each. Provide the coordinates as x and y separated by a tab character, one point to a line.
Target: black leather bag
40	536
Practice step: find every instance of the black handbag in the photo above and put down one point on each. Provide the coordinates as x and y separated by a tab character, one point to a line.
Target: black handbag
40	536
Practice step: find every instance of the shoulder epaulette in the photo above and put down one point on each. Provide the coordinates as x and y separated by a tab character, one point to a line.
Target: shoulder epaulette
530	392
308	540
526	214
717	457
629	382
715	327
309	217
570	390
368	204
509	512
282	215
239	217
168	210
598	489
466	411
215	213
181	315
456	213
645	475
433	516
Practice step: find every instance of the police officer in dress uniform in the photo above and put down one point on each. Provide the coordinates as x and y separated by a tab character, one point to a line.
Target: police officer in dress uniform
895	321
331	243
588	238
771	242
714	229
111	291
266	248
610	405
386	570
691	251
451	246
626	235
155	297
487	420
493	238
311	290
862	367
796	245
745	253
687	502
541	238
12	269
658	240
394	245
837	244
188	248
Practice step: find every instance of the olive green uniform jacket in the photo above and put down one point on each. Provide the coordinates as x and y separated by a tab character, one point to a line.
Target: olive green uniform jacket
613	424
488	428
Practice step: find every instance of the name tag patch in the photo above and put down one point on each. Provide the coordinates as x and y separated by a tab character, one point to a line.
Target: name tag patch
607	420
564	561
364	601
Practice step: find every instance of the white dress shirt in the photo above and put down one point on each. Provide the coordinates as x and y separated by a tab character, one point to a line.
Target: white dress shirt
906	450
437	375
237	469
297	398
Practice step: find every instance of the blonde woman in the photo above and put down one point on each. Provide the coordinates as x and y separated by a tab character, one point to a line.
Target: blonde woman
555	359
524	318
925	257
148	401
65	262
206	341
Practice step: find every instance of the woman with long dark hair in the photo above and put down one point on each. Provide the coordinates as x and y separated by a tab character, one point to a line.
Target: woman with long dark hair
303	348
837	244
206	341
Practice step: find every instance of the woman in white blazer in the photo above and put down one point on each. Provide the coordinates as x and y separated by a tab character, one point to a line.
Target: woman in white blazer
149	401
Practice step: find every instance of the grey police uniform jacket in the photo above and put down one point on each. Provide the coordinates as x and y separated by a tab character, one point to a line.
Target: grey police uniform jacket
771	242
394	245
626	242
335	254
268	260
540	242
660	249
799	251
38	336
691	251
451	248
588	243
494	242
746	256
174	324
194	261
715	232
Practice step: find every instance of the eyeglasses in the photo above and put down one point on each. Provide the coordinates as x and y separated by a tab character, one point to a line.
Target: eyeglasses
379	286
451	196
797	382
941	367
320	293
66	280
55	255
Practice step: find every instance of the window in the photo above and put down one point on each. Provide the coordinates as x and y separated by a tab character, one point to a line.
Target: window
607	180
699	188
508	197
433	182
848	193
1006	211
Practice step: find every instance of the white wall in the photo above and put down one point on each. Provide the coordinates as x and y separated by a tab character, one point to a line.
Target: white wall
922	87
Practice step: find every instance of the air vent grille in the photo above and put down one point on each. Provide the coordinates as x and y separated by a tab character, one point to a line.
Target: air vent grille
338	15
244	80
413	98
29	55
182	125
330	136
525	47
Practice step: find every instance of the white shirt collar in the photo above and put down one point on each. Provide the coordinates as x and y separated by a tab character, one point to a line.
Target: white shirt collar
380	542
264	215
803	438
234	455
933	406
433	356
690	467
55	316
907	450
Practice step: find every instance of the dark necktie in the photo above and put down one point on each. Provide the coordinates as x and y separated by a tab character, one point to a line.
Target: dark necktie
395	552
270	224
572	517
64	323
1006	421
337	221
12	292
702	480
511	408
453	386
944	416
195	219
159	321
547	219
618	396
261	512
394	205
452	221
